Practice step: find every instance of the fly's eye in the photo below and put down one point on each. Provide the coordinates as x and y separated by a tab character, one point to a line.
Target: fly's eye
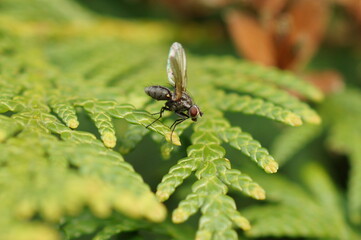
193	111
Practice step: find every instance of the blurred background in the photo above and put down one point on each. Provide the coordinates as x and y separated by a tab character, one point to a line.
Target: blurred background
318	40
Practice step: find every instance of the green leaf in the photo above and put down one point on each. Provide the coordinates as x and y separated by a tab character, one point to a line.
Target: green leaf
250	147
248	105
67	77
342	110
293	140
323	207
275	95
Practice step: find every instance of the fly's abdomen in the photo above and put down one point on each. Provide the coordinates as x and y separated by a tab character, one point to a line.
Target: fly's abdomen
158	92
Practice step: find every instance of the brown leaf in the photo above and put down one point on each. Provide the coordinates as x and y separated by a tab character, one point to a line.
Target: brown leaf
269	8
308	20
285	49
250	39
328	81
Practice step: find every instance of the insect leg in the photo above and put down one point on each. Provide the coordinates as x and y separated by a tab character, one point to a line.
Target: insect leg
178	121
183	117
161	111
160	115
174	125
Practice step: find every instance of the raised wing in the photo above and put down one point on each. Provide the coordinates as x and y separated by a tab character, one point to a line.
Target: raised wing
177	69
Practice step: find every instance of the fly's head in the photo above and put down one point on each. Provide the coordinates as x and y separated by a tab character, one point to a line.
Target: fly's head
195	112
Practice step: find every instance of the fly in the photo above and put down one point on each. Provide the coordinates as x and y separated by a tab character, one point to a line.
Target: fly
177	101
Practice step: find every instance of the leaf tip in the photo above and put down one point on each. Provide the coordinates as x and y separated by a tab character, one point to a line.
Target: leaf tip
293	120
174	140
242	222
158	213
179	216
109	140
271	167
258	193
73	123
162	196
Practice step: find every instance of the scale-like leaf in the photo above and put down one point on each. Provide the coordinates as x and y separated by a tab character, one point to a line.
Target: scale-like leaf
327	221
275	95
65	87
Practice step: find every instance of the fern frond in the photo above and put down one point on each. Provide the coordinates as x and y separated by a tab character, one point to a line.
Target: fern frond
166	147
102	121
323	217
8	128
65	73
175	177
65	110
275	95
342	111
86	223
207	160
248	105
58	171
235	69
266	86
131	137
214	174
116	224
60	10
284	79
240	181
68	191
250	147
7	101
293	140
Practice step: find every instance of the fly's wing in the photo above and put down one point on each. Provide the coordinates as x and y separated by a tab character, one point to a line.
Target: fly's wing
177	69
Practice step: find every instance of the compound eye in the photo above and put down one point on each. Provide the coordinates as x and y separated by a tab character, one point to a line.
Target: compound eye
193	111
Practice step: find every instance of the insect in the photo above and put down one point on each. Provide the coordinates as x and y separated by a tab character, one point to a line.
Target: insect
177	101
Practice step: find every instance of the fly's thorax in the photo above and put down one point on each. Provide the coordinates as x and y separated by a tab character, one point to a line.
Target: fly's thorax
177	106
181	105
158	92
186	100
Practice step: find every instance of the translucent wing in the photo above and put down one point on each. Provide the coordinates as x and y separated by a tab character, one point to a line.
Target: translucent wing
177	69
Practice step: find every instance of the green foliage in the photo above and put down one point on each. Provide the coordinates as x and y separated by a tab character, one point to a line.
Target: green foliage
86	223
333	215
57	10
73	106
292	140
286	217
266	84
343	112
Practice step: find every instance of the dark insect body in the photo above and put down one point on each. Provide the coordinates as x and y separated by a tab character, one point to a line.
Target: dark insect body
178	101
158	92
